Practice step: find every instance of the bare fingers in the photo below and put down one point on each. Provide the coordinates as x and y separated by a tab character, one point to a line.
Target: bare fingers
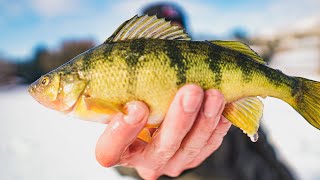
120	133
186	137
166	141
214	142
198	136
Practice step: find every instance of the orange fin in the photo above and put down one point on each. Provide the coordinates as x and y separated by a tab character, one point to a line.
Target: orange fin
245	114
145	135
101	106
152	125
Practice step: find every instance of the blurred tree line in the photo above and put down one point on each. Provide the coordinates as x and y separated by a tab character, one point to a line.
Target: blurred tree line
43	61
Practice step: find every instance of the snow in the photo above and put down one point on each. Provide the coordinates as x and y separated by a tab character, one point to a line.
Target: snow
295	140
38	143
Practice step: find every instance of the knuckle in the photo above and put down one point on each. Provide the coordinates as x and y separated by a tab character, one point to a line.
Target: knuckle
171	148
167	149
208	129
218	99
215	143
163	156
163	153
214	92
190	151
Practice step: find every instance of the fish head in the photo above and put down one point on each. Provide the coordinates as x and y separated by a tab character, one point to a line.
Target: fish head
46	89
58	90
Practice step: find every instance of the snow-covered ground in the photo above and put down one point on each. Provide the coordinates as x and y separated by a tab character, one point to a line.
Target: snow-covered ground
37	143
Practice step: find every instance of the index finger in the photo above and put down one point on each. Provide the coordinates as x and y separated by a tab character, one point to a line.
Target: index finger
120	133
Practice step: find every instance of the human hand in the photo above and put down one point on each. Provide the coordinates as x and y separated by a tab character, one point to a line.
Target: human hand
192	130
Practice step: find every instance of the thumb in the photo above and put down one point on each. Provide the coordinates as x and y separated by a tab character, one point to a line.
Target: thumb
120	133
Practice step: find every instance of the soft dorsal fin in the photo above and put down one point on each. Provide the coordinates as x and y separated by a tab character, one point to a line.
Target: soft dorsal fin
240	47
148	27
245	114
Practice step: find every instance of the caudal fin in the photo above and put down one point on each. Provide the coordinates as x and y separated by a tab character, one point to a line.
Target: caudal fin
307	101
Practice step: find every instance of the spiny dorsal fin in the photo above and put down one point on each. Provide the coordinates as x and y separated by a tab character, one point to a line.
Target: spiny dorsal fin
240	47
148	27
245	114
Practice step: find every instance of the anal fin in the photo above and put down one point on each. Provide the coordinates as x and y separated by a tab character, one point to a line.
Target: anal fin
145	135
245	114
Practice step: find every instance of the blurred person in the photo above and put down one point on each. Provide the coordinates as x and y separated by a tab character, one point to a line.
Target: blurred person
237	158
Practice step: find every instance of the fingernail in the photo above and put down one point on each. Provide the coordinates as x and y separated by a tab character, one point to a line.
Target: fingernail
135	114
210	107
190	102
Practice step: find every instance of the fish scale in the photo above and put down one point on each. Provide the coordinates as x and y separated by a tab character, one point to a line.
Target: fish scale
148	60
127	78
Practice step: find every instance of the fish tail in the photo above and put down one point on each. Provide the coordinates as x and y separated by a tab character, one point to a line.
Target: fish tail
306	100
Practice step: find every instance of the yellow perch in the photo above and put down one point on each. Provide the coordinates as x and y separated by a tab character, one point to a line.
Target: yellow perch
147	59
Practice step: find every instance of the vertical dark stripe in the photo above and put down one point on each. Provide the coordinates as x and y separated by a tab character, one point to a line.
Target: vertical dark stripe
296	87
274	76
136	49
177	60
107	50
87	59
215	63
134	52
246	66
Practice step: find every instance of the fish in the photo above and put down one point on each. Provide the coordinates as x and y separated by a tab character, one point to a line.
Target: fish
147	59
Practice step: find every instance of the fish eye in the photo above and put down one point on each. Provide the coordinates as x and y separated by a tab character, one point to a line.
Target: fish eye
45	81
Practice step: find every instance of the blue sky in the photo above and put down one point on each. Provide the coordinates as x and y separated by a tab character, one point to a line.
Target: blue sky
24	24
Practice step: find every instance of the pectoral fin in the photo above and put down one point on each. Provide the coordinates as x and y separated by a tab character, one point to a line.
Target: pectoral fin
101	106
145	135
245	114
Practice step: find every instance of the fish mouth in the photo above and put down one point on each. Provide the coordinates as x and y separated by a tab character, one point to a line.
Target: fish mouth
32	88
33	92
